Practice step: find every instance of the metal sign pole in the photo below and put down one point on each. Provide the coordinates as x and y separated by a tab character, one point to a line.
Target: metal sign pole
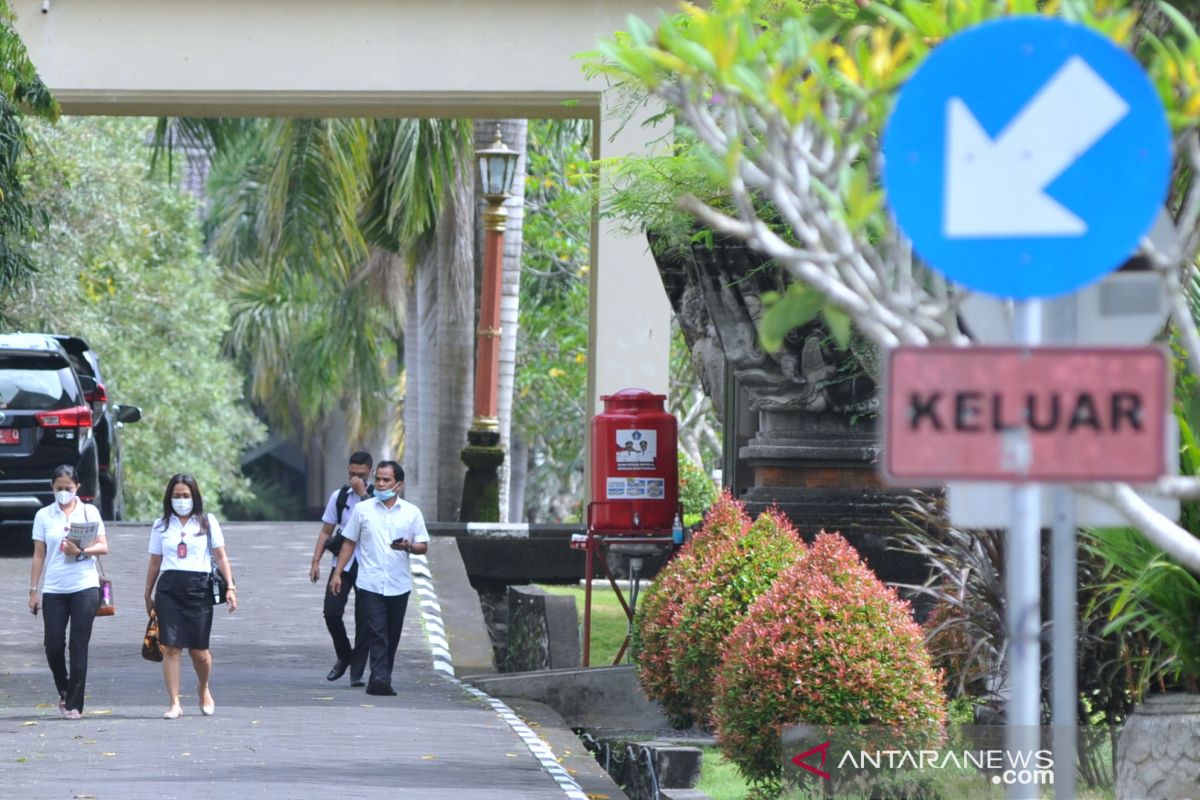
1023	610
1064	572
1063	599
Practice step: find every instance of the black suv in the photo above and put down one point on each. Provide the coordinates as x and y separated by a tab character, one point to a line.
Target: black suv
107	418
45	421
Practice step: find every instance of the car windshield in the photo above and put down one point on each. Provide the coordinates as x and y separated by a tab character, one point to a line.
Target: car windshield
32	383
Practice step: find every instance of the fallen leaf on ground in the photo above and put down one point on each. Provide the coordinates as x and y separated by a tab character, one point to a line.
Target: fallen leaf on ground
428	758
27	724
323	698
365	705
101	712
108	754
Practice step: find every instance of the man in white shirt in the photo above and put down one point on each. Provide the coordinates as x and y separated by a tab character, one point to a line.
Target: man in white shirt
337	513
381	533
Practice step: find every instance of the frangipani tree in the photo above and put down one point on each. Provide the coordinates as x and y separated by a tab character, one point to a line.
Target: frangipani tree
789	100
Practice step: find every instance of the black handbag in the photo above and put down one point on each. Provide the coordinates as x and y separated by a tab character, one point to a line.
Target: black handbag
151	650
218	587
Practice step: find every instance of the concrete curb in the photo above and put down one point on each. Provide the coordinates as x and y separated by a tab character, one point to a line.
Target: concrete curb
435	631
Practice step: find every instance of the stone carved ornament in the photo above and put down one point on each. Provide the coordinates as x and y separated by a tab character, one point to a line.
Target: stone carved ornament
716	293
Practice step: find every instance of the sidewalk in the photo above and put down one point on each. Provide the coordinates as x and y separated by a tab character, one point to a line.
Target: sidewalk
280	731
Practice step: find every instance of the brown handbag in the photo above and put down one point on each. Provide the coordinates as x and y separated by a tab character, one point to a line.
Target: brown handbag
108	603
151	649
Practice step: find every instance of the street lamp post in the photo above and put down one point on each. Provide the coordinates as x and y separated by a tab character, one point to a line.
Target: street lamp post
483	454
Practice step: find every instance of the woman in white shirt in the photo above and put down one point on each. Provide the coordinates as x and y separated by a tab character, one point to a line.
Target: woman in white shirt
184	543
71	588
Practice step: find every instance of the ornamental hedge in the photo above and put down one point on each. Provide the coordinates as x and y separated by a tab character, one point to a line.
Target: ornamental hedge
827	644
659	609
731	574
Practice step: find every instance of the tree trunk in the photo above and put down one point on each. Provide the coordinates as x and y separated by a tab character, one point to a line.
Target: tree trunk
456	338
514	134
518	459
412	397
428	388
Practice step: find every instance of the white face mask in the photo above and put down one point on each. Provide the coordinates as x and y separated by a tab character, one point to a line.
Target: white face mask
182	505
64	496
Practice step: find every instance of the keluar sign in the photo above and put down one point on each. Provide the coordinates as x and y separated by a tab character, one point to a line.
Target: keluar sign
1018	414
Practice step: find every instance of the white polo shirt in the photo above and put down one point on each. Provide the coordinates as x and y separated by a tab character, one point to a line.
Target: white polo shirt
330	518
62	574
165	540
374	526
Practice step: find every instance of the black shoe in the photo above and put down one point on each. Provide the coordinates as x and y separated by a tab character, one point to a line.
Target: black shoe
339	669
381	690
357	683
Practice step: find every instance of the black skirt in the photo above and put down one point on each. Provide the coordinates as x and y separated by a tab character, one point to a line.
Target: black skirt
185	611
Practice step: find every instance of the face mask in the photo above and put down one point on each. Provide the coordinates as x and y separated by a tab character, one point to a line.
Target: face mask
182	505
385	494
64	496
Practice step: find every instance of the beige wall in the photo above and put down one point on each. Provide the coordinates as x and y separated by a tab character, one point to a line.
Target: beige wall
359	58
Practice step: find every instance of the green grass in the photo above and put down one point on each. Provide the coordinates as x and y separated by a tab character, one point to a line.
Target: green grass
719	779
609	623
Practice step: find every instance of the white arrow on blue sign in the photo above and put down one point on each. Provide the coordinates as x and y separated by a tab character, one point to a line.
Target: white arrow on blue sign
1027	157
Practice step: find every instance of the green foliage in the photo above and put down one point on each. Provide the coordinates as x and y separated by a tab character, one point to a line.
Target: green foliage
550	390
659	611
827	644
121	264
732	573
764	68
21	92
1154	596
696	490
302	211
641	192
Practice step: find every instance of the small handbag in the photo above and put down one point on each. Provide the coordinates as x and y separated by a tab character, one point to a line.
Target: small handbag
151	649
218	587
108	604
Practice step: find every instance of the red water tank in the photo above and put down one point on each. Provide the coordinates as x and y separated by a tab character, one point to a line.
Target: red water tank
635	471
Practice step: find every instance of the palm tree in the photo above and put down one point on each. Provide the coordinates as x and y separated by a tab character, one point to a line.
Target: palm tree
316	220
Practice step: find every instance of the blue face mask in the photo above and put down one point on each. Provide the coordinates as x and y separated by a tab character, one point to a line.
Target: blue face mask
385	494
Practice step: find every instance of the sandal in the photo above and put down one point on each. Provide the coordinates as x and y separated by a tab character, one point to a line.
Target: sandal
210	708
173	713
73	713
62	707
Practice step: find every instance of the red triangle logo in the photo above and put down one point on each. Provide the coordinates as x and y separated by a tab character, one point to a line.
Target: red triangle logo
799	760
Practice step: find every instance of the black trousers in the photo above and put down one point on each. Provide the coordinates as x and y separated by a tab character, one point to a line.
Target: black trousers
335	608
383	617
78	608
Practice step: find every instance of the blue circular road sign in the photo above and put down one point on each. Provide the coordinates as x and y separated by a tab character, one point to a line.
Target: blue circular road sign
1027	157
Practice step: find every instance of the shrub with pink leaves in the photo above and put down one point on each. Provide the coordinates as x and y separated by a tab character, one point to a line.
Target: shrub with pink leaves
659	609
827	644
731	575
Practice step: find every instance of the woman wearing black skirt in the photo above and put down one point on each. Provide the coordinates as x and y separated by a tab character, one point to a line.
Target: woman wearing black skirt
183	544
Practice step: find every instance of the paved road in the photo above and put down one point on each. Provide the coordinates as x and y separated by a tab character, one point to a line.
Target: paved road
281	731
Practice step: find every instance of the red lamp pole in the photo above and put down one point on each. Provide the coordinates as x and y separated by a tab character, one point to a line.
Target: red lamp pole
487	336
483	454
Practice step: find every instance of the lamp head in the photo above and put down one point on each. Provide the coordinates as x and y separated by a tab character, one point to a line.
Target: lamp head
497	168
